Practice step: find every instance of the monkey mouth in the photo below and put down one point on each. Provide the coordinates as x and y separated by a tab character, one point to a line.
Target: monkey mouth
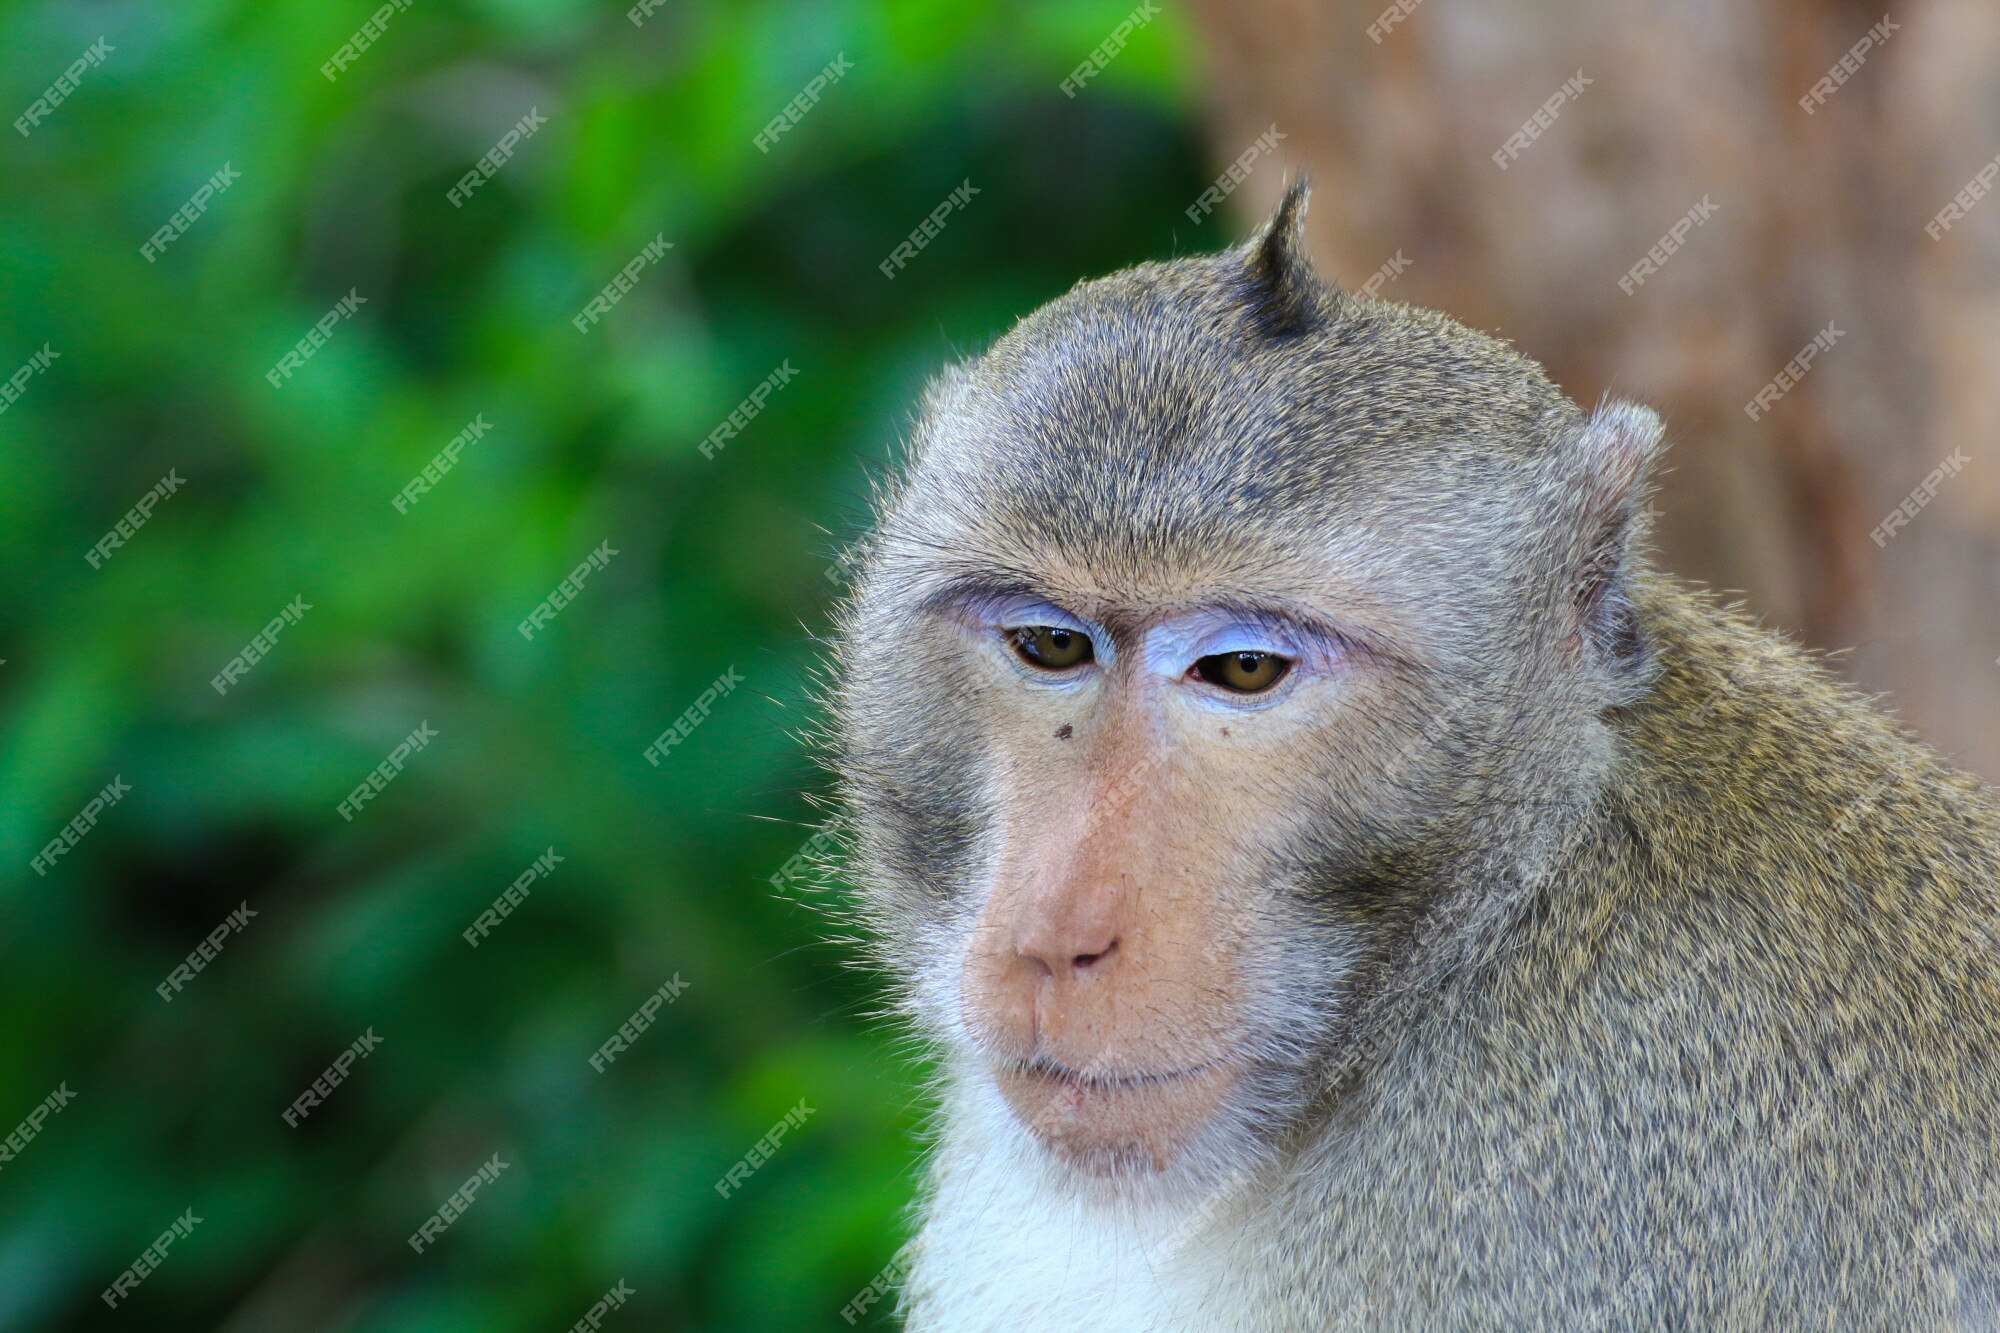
1111	1124
1051	1072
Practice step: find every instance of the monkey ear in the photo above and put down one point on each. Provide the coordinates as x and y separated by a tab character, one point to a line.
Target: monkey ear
1280	288
1611	461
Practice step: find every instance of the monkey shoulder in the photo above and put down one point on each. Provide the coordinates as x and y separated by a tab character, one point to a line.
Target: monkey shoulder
1755	1018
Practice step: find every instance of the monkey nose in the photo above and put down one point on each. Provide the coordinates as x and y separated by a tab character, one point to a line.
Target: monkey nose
1067	955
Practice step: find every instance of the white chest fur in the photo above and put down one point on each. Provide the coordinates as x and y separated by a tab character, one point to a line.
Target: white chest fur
1007	1243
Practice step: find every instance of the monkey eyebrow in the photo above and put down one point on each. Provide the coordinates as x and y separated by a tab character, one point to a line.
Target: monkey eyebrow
962	590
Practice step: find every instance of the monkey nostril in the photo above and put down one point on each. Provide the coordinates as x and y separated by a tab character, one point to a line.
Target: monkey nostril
1059	959
1084	961
1038	963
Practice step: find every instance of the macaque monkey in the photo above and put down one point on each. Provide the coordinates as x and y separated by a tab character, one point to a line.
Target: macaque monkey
1348	888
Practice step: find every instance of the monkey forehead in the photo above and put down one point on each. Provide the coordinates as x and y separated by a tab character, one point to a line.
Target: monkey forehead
1145	417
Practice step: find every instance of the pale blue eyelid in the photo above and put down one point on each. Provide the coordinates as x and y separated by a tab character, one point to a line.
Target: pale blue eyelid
1175	648
1020	612
1244	637
1015	612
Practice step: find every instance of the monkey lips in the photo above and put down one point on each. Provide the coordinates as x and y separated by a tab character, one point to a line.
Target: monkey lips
1109	1124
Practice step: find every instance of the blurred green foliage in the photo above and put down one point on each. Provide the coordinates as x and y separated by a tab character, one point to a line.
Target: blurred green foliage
286	492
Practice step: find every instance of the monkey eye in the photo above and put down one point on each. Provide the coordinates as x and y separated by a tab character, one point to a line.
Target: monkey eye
1245	672
1050	647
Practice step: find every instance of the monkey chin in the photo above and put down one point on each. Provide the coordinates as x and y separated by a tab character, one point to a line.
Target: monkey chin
1116	1127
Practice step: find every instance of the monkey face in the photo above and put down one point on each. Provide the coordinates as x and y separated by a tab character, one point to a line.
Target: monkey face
1214	624
1130	777
1114	817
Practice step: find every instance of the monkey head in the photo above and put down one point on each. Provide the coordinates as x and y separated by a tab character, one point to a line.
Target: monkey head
1224	644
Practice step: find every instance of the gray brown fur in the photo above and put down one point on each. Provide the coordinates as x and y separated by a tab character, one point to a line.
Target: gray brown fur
1677	1002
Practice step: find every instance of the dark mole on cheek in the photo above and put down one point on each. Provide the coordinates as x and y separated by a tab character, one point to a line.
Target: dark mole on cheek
1063	732
1225	731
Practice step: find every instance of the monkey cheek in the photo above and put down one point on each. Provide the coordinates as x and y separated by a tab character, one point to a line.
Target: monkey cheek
1000	1017
1120	1128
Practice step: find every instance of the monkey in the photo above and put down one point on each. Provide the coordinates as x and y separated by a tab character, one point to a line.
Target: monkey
1347	886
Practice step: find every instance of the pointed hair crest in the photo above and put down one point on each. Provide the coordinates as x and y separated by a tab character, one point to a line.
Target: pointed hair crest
1280	289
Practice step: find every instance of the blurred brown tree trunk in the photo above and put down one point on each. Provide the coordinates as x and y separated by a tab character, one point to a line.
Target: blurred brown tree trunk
1818	219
